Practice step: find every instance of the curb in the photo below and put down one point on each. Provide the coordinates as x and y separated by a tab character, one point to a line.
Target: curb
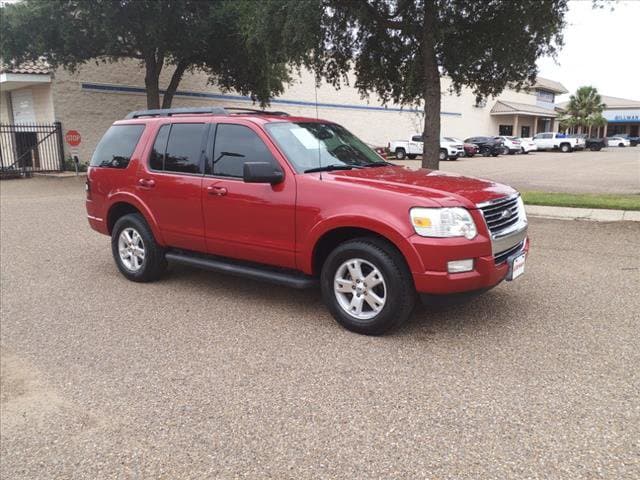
590	214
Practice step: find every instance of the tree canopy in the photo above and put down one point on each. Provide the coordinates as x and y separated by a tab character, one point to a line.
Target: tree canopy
584	110
401	48
249	46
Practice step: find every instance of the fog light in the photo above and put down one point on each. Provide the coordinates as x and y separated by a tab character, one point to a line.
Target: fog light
459	266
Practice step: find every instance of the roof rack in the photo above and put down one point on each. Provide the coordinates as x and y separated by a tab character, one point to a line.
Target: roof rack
168	112
259	112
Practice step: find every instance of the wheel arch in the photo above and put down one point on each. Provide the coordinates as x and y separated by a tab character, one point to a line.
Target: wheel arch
125	204
330	237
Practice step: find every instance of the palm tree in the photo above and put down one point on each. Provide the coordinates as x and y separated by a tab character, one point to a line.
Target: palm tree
585	106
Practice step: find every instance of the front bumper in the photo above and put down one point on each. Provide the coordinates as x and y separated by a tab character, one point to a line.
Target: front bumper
485	274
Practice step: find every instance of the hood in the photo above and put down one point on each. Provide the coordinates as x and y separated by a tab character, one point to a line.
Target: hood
448	189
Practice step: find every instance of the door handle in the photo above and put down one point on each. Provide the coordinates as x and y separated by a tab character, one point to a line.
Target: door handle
219	191
147	182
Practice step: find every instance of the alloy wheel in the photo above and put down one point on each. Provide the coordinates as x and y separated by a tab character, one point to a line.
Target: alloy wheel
131	249
360	288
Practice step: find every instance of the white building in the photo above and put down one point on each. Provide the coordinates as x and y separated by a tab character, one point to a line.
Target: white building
91	99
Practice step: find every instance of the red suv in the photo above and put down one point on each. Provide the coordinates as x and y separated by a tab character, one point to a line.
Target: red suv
298	201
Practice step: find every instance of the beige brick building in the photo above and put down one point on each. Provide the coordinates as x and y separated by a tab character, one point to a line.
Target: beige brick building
99	93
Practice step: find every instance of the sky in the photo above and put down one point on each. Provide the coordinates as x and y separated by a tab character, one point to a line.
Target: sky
601	49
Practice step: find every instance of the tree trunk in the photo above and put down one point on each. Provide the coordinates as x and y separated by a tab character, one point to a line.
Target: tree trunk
167	99
431	90
151	81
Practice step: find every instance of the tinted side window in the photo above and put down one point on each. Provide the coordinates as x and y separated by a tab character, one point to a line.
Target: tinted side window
416	138
184	148
235	145
117	146
156	159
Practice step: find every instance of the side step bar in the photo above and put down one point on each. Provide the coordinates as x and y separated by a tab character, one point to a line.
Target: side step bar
265	274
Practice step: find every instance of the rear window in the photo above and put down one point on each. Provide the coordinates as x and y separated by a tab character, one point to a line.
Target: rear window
117	146
178	148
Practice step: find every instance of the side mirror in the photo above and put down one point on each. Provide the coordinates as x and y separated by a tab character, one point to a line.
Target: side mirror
262	172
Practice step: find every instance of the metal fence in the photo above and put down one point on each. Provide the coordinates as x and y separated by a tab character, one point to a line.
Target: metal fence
30	147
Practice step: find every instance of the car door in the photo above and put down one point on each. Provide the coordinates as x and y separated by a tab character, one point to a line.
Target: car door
170	183
416	145
247	221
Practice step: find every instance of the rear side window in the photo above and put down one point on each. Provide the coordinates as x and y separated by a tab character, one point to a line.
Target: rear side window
117	146
178	148
416	138
235	145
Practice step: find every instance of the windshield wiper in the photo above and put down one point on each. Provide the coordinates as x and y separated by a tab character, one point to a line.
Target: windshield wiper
378	164
329	168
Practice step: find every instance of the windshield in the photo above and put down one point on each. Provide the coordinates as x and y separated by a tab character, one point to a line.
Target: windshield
309	145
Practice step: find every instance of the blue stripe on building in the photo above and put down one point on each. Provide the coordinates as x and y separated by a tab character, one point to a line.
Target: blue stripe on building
101	87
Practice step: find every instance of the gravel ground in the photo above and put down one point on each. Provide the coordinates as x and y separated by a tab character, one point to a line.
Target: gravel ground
612	170
208	376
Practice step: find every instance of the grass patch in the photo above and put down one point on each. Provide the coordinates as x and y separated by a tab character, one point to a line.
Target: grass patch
583	200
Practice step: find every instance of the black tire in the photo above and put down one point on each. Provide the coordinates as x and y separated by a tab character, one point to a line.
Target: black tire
506	151
565	148
399	290
485	152
495	154
154	263
400	153
442	155
470	155
621	144
412	156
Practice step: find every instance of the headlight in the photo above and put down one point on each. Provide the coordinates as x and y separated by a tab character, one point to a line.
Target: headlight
443	222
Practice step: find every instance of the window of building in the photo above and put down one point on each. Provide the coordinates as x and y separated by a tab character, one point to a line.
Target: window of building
117	146
235	145
178	148
545	96
506	130
525	131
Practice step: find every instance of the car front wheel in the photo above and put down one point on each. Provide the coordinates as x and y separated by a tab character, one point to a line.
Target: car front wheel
137	255
401	154
367	286
565	148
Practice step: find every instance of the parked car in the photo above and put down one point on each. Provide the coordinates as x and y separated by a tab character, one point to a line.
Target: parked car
382	151
512	145
558	141
298	202
414	147
591	143
632	140
618	141
527	145
470	149
451	148
487	145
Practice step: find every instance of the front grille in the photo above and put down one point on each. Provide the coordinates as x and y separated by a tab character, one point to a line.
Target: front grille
501	214
501	257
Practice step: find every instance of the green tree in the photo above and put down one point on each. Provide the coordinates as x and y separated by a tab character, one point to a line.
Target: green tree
584	109
243	45
399	49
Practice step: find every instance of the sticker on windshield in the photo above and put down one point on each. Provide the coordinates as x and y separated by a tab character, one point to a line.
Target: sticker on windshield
306	138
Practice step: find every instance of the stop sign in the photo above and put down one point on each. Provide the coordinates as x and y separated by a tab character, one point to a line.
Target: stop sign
73	138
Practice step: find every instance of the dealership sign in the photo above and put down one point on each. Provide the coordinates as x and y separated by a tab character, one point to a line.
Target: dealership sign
622	116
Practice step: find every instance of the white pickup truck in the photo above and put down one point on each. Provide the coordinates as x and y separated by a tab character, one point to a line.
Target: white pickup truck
558	141
413	147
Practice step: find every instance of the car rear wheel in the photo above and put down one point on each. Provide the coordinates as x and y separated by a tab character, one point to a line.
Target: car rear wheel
400	153
621	144
412	156
565	148
137	255
442	156
485	152
367	286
